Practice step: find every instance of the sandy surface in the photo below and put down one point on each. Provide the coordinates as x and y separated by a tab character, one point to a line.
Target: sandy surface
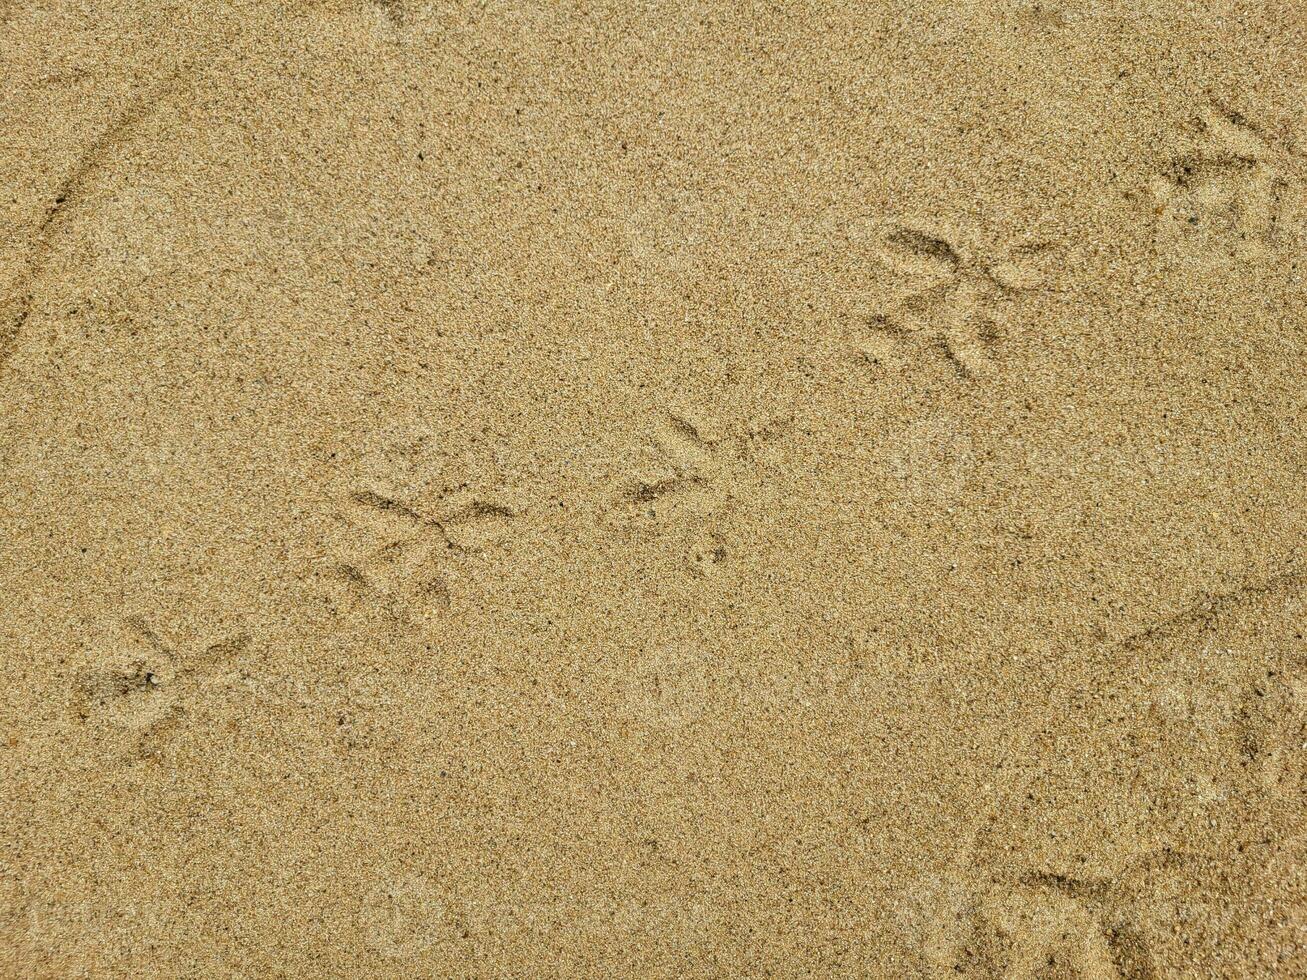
653	489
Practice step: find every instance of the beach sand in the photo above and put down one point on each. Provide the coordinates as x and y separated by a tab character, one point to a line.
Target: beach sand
653	489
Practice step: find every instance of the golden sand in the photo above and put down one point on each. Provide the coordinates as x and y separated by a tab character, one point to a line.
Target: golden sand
653	489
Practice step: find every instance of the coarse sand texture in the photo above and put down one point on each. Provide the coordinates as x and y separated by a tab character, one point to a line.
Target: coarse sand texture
510	489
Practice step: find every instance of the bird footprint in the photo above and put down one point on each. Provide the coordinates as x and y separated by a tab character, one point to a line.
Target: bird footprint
957	305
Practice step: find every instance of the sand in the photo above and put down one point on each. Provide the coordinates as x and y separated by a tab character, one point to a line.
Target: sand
653	489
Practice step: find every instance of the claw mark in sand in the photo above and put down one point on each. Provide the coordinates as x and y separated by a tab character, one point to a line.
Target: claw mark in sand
404	560
980	921
17	306
696	481
958	304
1225	199
1241	714
142	694
689	455
699	463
